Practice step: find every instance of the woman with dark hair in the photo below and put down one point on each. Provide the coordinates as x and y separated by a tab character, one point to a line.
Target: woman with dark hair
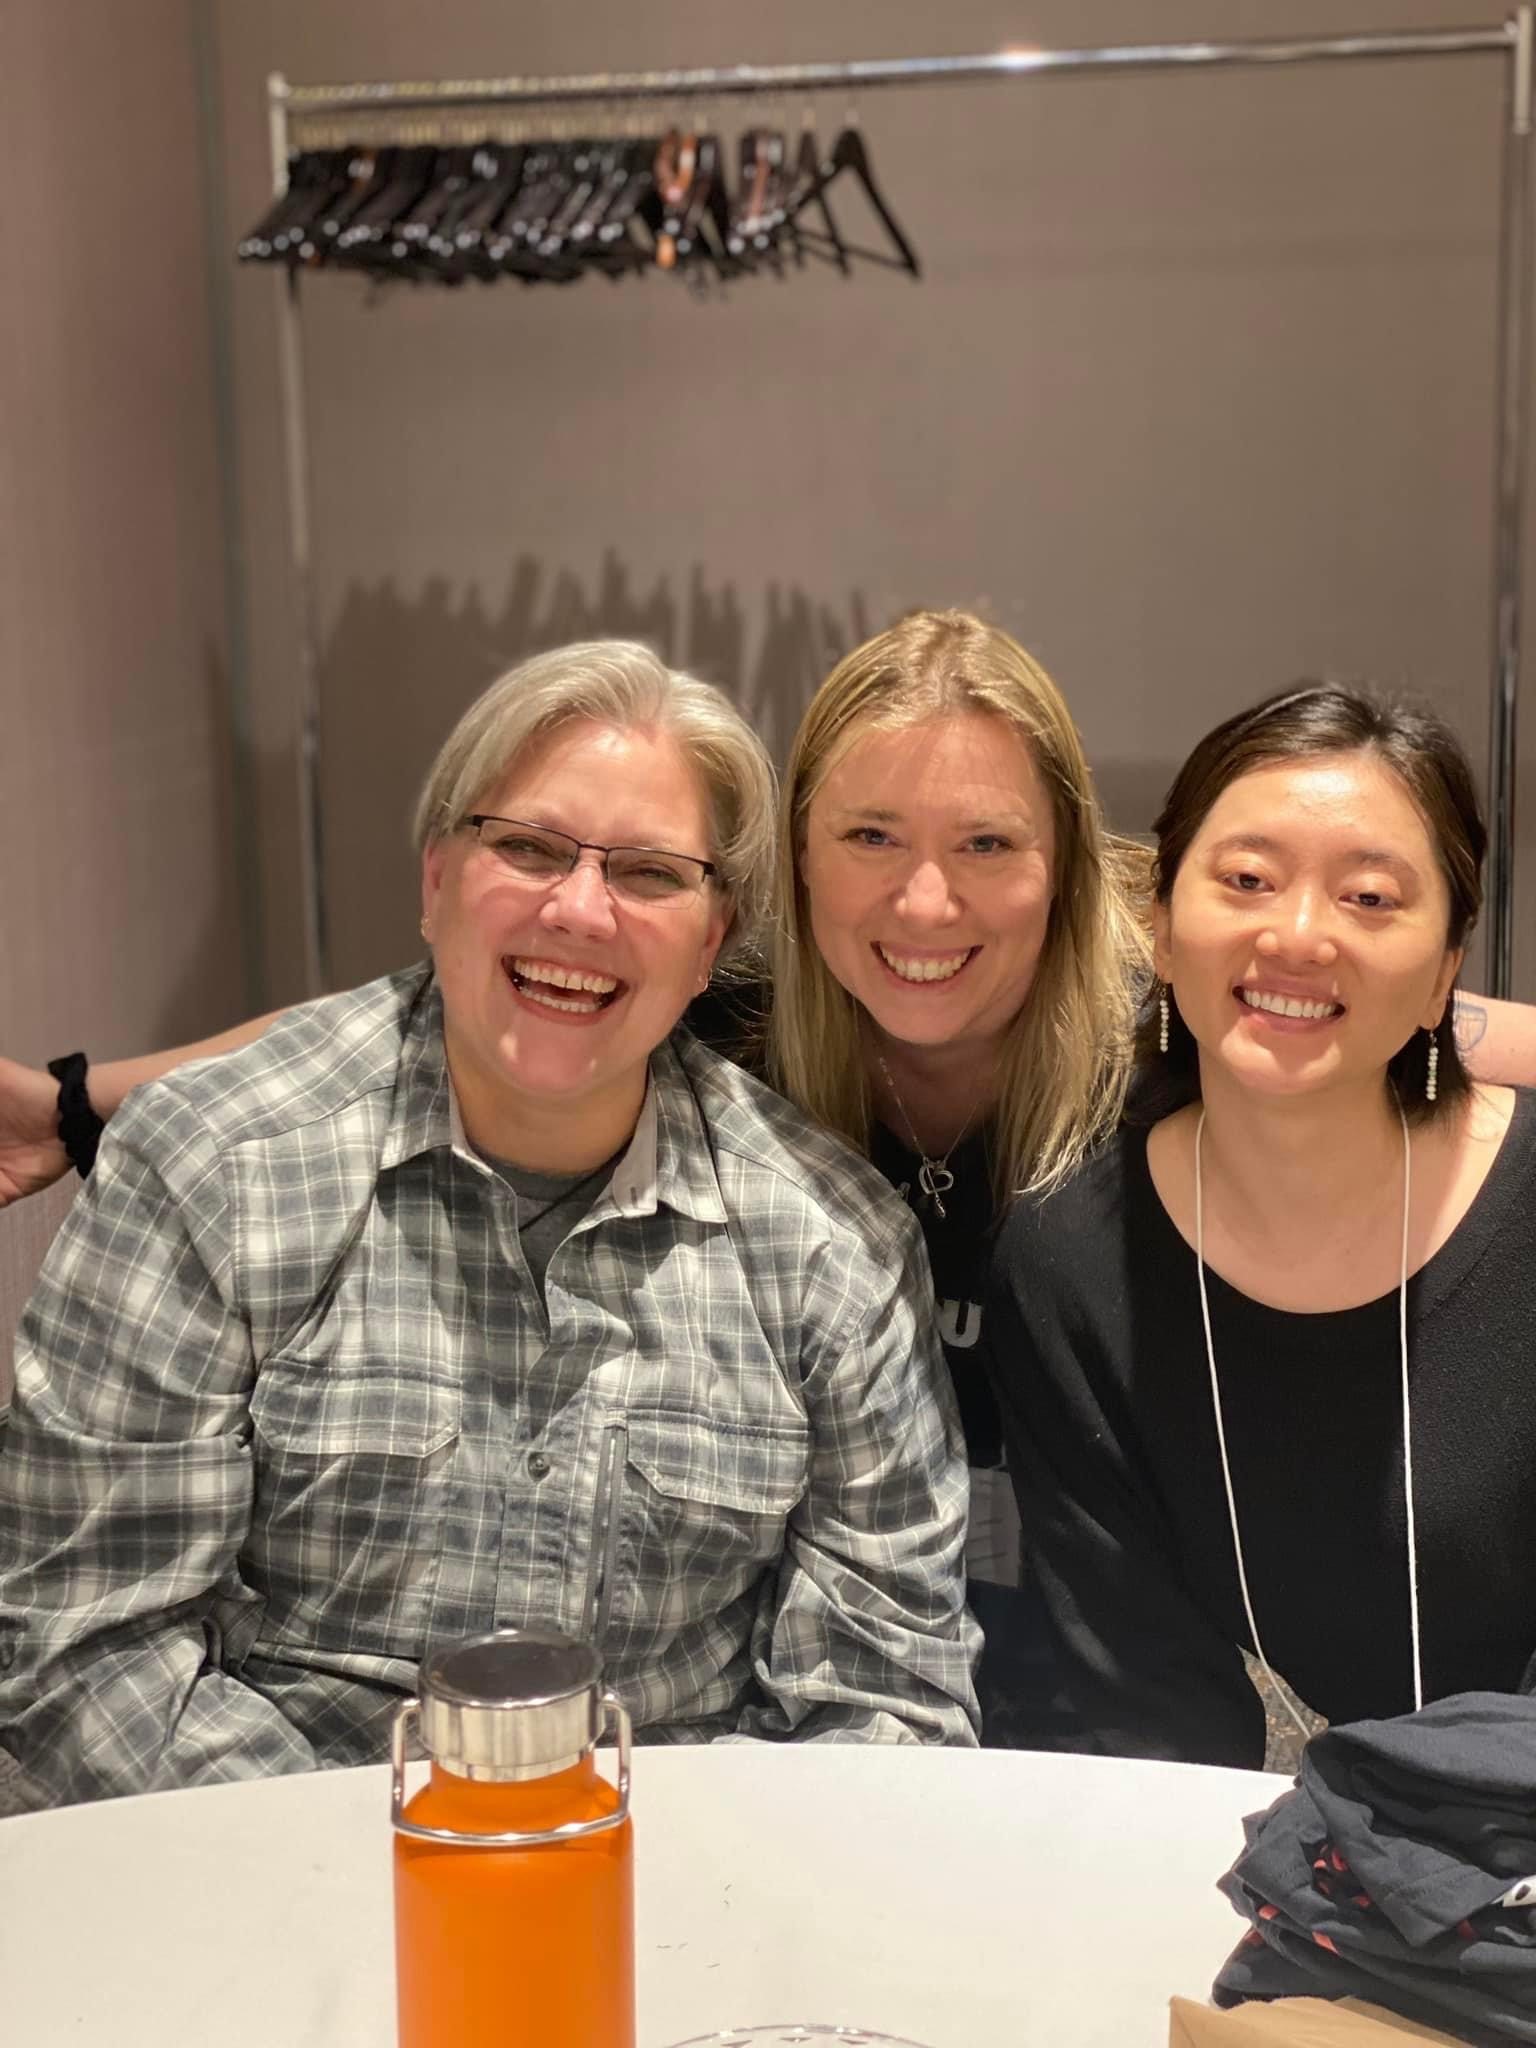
1264	1366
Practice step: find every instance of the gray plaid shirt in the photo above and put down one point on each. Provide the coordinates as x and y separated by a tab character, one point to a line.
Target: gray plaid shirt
289	1407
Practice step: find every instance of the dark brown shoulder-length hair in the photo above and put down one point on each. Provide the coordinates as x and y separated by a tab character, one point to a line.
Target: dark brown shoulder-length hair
1300	724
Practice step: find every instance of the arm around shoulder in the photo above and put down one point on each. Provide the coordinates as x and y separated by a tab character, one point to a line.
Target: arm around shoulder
1497	1040
113	1080
32	1152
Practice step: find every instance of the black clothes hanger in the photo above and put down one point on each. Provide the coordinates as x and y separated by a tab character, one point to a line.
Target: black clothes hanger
312	175
704	224
369	172
849	154
500	176
517	248
808	187
583	173
639	186
451	175
611	179
369	236
439	247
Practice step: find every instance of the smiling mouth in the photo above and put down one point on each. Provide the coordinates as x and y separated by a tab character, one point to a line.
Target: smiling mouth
921	970
1300	1009
569	991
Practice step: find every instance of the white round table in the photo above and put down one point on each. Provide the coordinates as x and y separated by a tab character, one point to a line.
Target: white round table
960	1898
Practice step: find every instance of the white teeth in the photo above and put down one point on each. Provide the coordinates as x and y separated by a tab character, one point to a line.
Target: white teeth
943	969
554	1003
1287	1006
564	977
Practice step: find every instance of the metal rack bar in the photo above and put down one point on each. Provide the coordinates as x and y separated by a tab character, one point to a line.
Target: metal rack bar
861	74
289	106
1511	407
290	370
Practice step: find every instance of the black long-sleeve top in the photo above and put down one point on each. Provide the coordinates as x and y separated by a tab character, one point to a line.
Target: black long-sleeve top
1104	1389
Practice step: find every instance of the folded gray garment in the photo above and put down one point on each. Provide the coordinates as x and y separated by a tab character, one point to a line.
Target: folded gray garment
1381	1873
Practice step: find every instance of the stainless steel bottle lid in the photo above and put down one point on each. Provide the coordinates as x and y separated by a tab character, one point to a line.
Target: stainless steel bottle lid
517	1703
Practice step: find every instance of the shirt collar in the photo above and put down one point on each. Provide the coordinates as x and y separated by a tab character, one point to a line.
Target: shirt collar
423	1115
668	1160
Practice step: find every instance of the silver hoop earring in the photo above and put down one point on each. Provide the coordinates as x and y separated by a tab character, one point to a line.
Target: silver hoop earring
1431	1072
1162	1020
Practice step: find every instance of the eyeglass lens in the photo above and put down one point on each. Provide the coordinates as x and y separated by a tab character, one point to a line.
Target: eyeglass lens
543	855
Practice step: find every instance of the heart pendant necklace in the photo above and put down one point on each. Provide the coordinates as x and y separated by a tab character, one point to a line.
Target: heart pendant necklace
933	1175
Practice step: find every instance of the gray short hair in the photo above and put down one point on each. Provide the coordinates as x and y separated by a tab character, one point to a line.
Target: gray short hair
620	683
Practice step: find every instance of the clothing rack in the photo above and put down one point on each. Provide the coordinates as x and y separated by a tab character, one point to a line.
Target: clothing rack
295	111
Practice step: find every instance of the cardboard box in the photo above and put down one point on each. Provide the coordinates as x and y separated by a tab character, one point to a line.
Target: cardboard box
1295	2023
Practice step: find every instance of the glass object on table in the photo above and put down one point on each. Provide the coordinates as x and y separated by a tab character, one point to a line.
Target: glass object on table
791	2034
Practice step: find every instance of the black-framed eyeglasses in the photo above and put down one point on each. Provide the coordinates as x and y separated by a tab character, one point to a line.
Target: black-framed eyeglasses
537	853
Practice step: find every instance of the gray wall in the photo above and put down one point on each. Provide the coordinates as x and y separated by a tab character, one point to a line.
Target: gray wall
1196	397
121	919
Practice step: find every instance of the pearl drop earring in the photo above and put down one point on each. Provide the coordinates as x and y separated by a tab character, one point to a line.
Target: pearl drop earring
1162	1020
1431	1081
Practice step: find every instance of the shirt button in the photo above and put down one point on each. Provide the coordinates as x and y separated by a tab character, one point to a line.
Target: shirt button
538	1465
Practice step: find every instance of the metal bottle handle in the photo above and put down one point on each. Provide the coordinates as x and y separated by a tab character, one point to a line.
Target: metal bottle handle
615	1717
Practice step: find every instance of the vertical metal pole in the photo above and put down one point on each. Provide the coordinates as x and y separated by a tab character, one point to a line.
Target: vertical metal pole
246	829
1514	321
290	343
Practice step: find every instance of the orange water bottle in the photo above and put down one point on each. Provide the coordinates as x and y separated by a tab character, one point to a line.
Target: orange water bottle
514	1902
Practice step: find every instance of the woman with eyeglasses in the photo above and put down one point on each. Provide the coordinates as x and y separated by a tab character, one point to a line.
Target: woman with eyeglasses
479	1296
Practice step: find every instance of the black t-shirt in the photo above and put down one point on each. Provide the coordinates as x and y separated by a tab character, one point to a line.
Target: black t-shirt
730	1017
1105	1394
959	1248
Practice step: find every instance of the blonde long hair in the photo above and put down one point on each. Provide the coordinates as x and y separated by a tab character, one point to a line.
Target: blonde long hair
1066	1059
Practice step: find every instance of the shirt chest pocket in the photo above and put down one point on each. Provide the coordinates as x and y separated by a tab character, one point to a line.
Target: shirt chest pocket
354	1464
702	1511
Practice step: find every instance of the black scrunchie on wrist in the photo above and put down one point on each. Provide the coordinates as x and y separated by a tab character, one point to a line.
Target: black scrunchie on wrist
79	1125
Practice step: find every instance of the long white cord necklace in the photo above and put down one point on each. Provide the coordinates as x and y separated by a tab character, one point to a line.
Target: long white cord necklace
1221	1431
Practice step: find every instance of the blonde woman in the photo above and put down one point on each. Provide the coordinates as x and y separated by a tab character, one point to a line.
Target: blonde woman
953	991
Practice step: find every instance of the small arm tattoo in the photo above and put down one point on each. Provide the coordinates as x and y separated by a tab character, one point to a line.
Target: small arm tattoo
1471	1023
